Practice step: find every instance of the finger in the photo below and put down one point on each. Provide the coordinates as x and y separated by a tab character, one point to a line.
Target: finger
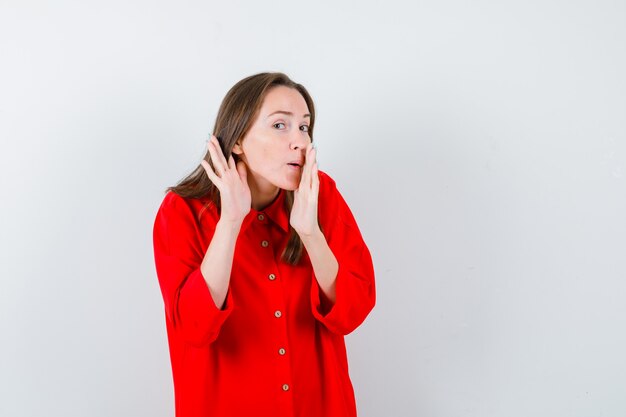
309	168
215	160
243	172
209	171
303	176
220	153
307	162
315	180
313	159
231	162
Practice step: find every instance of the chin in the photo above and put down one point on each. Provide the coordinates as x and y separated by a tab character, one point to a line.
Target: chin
288	182
288	185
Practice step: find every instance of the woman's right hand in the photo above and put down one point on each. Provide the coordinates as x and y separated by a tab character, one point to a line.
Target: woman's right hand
232	181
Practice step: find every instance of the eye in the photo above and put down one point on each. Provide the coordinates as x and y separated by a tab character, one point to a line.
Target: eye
304	128
279	123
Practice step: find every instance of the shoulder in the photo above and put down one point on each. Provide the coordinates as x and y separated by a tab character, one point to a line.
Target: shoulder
182	226
331	204
327	183
174	203
174	207
328	194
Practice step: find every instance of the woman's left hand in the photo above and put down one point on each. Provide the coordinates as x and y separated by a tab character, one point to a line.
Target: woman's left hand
304	211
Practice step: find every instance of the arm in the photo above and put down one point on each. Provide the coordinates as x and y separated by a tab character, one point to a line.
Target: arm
354	286
192	303
218	260
342	291
194	280
325	266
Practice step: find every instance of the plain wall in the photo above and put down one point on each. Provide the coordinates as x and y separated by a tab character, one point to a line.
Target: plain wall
481	146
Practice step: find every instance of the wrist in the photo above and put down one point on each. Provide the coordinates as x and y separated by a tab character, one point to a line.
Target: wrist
229	225
311	238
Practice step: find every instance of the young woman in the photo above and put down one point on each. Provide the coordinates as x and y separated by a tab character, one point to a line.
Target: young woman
261	265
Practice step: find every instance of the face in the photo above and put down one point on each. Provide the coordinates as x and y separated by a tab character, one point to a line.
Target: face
274	147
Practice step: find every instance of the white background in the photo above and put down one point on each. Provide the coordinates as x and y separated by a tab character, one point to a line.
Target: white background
481	146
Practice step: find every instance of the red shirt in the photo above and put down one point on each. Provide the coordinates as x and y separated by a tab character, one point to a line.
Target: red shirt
273	349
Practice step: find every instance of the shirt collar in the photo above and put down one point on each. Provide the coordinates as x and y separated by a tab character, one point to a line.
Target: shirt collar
276	212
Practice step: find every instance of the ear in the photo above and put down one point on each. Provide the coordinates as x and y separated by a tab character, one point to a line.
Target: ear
237	150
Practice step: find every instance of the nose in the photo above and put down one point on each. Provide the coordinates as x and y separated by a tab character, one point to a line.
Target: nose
299	140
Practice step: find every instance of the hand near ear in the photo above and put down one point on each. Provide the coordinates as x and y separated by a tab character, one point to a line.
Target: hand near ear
231	180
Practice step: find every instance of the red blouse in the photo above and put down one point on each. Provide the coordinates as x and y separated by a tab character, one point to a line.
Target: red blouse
273	349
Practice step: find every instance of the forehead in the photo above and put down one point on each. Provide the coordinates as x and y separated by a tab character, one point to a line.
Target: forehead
284	98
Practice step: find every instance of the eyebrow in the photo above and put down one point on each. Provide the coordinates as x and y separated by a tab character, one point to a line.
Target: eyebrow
288	113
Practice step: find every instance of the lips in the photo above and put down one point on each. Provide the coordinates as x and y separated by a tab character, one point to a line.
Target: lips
295	163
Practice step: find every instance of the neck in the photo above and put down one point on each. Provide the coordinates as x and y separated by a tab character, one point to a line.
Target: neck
262	192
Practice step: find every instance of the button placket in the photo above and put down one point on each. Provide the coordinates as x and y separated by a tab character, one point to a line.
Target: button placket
277	301
284	365
270	239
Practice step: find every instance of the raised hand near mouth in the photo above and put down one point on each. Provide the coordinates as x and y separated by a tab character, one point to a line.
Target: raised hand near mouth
304	210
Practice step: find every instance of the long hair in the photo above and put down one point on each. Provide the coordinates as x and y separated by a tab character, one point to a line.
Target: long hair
236	115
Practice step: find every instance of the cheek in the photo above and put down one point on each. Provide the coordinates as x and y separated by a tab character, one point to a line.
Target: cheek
262	151
259	156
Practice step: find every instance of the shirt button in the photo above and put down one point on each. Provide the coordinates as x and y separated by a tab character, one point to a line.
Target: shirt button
272	277
265	243
261	217
281	351
285	387
278	314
